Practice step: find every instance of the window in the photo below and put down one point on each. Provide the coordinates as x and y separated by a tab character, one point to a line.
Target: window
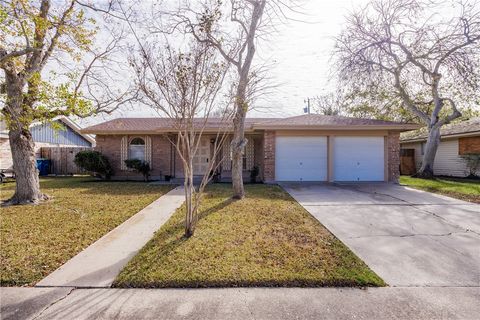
422	146
247	158
136	149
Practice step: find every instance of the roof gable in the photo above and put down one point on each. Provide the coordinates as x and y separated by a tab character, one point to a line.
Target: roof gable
46	133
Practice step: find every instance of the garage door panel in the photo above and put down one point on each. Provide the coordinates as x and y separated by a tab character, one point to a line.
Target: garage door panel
358	158
301	159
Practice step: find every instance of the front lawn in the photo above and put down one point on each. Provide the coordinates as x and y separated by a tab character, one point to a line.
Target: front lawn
266	239
36	240
464	189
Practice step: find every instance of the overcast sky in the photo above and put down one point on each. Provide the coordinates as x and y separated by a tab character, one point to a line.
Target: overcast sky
300	53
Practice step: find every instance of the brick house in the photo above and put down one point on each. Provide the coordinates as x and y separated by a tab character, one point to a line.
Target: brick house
456	140
302	148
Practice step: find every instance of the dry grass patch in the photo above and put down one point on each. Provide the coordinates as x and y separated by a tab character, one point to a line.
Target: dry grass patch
266	239
35	240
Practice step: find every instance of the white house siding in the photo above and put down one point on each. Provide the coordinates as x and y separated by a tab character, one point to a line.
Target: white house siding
447	161
45	133
5	154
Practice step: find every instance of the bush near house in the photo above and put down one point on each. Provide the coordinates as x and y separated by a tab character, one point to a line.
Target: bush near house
94	161
254	174
140	166
473	164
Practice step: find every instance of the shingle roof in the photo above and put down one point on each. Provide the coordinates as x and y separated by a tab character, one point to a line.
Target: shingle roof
309	121
322	120
465	127
135	125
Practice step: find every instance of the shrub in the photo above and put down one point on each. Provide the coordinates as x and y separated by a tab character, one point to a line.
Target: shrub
94	161
473	164
254	174
140	166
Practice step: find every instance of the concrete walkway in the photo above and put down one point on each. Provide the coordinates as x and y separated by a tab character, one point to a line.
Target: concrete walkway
101	262
241	303
408	237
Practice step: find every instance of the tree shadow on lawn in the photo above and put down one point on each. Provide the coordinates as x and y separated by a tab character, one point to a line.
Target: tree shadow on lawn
175	229
180	225
90	185
170	236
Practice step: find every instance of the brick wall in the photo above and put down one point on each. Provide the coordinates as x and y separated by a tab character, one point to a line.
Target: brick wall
162	155
393	151
269	156
259	155
110	145
469	145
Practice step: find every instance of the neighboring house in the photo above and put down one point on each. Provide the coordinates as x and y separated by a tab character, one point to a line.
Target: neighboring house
44	135
457	139
302	148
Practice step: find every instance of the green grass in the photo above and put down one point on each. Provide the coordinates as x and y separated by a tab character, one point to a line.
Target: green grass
35	240
464	189
266	239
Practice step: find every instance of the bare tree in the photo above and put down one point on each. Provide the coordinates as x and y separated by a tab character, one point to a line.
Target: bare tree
405	50
330	104
186	86
35	37
239	51
233	28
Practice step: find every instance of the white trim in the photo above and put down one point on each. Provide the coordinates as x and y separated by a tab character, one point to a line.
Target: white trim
148	150
123	152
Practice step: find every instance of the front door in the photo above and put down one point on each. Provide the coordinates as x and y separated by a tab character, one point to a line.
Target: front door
202	157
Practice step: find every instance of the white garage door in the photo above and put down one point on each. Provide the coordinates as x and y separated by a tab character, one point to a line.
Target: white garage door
358	159
301	158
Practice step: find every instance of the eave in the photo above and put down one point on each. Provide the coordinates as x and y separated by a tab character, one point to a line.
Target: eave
402	127
446	136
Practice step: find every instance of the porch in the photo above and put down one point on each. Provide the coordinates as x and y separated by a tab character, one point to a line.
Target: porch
252	157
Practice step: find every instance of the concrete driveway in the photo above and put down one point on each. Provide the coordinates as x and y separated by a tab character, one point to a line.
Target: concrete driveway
408	237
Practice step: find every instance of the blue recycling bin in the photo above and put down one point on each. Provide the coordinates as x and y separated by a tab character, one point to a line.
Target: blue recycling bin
43	166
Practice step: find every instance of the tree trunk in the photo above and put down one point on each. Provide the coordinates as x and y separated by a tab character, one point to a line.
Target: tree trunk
27	189
426	170
238	145
189	191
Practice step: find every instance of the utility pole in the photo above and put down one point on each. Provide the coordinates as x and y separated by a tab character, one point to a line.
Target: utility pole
307	109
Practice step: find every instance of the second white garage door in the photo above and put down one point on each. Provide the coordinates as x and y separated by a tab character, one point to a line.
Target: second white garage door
358	159
301	158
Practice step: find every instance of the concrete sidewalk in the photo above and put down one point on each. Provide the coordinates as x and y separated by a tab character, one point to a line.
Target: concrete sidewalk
241	303
100	263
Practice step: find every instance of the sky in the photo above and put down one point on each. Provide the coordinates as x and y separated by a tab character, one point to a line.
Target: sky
299	54
302	51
